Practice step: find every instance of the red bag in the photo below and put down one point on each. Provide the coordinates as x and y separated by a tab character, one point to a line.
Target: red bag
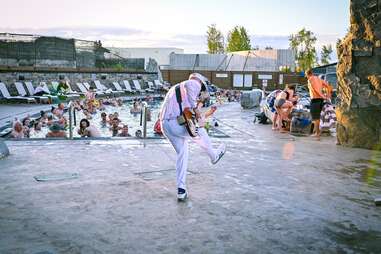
157	128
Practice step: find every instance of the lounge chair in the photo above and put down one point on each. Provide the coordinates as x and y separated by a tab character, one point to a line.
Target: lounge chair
128	86
54	98
158	84
87	86
100	87
83	88
151	87
22	92
70	95
118	87
5	93
72	91
116	91
137	86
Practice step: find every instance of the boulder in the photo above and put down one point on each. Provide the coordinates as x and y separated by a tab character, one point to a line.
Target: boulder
359	78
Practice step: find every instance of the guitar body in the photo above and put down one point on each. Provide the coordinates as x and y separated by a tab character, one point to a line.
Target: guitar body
190	122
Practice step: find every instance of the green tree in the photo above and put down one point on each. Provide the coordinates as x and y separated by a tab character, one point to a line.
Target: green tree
303	44
326	52
215	40
238	40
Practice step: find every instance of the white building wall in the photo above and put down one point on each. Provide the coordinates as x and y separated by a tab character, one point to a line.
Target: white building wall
255	60
161	55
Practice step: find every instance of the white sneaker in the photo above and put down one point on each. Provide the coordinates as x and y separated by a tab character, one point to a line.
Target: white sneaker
181	194
220	152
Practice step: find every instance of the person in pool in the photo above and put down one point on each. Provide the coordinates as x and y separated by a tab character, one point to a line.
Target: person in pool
135	108
115	127
60	110
26	126
104	120
17	130
56	131
124	131
44	117
87	130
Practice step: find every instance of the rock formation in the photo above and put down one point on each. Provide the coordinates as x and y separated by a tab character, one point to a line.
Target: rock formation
359	78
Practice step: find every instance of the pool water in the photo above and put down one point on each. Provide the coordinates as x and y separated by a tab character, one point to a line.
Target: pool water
126	117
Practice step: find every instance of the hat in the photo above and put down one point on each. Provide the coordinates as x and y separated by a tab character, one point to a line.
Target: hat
200	77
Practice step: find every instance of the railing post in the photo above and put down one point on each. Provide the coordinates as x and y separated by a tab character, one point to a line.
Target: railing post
145	122
70	120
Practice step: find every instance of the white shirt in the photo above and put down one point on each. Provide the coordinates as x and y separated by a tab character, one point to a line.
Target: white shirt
93	132
190	89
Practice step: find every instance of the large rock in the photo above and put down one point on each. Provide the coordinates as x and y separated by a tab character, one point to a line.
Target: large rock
359	78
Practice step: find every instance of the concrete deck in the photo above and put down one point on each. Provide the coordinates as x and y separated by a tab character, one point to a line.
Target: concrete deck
271	193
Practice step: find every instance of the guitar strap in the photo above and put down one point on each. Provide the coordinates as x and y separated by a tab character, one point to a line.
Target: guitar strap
178	98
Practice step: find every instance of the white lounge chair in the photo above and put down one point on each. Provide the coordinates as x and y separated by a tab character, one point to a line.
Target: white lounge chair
5	93
71	94
87	86
22	92
46	87
151	87
116	92
137	86
158	84
101	88
118	87
81	88
128	86
72	91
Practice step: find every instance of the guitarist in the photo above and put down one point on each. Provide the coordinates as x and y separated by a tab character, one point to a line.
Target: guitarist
180	100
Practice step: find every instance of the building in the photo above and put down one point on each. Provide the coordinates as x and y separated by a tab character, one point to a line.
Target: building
160	55
47	51
238	70
324	69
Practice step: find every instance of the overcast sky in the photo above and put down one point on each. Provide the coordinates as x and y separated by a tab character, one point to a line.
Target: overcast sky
170	23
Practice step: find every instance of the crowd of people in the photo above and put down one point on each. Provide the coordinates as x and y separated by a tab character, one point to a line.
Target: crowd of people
322	113
57	122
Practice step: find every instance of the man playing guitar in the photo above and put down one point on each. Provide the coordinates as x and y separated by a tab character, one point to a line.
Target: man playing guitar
178	126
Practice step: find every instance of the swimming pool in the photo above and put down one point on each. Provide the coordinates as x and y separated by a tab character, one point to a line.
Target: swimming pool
126	117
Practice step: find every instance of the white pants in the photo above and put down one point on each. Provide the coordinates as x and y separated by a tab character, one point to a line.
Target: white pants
178	136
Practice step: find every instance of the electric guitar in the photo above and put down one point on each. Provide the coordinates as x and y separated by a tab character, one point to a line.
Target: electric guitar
190	122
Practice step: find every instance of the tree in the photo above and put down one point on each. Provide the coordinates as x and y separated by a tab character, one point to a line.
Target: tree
326	52
215	40
238	40
303	44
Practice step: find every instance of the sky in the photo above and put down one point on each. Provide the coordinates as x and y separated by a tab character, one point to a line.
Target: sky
170	23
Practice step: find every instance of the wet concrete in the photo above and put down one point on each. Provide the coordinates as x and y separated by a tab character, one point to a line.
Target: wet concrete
271	193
